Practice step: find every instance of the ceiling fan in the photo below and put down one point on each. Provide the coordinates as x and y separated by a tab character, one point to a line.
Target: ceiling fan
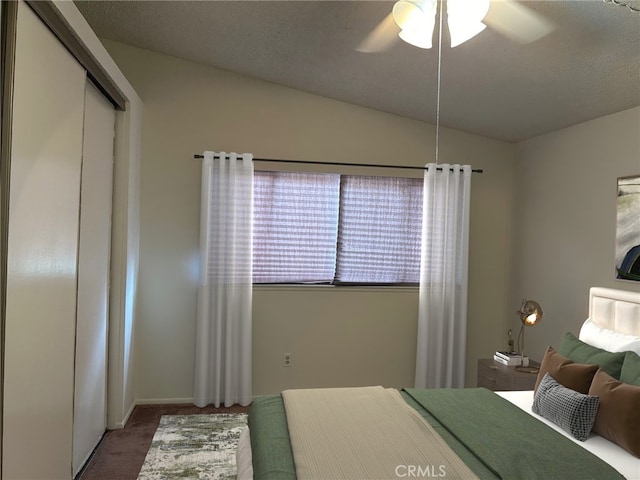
414	20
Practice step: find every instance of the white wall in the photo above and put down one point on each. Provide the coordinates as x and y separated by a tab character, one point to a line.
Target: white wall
565	220
337	336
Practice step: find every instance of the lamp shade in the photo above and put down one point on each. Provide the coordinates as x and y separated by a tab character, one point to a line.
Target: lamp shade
472	10
462	31
418	38
464	18
416	19
530	312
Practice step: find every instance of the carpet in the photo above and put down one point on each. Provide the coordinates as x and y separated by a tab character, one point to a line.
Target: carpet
199	447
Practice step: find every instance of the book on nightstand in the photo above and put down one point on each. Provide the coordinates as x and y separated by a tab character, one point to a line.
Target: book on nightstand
511	359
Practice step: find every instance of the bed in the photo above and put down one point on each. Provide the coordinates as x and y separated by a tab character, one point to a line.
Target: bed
470	433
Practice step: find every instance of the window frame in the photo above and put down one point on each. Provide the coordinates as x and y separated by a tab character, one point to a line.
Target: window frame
398	286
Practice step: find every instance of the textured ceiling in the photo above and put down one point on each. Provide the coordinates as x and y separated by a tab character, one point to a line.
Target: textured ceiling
589	66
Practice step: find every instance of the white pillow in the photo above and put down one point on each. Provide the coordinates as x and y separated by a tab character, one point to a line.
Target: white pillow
609	340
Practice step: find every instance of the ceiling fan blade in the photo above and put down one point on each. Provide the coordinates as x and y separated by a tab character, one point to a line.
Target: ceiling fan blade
381	38
517	22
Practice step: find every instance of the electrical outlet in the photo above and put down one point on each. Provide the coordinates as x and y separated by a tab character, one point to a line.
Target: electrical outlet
286	359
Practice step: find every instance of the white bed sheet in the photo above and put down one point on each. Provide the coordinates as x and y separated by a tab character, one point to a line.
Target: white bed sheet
243	456
617	457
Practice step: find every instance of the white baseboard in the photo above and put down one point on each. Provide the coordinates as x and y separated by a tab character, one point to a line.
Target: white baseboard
119	425
167	401
161	401
152	401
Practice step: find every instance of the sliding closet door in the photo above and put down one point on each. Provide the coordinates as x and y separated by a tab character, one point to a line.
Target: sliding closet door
90	407
48	109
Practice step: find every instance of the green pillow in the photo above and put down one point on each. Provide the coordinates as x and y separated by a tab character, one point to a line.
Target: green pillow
580	352
630	372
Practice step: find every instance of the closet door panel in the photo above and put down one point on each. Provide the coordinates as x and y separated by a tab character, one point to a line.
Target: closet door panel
42	255
90	408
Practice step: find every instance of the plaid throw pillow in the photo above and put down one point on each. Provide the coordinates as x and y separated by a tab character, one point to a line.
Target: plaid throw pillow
572	411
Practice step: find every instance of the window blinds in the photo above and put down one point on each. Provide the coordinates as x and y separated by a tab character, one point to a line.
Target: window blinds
325	228
295	227
380	230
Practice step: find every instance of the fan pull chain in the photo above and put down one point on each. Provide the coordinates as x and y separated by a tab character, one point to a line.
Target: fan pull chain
440	4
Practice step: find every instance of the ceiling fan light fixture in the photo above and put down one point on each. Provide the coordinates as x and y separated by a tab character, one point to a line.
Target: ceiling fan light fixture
464	18
460	32
471	11
416	20
417	38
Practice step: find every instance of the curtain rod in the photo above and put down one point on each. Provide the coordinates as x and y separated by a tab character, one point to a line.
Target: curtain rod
340	164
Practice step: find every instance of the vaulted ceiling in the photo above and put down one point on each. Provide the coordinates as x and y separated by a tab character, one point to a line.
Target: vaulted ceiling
587	67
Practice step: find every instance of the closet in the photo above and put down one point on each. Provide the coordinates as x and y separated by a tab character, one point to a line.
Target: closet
90	394
58	260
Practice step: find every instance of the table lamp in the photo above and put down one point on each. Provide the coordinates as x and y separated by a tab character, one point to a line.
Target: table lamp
530	314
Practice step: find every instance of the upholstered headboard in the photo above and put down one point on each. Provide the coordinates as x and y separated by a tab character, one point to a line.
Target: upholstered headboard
617	310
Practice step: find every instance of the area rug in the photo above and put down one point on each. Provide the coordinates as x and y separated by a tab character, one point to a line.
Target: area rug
199	447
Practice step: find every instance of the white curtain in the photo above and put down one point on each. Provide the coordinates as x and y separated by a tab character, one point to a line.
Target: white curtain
223	325
442	317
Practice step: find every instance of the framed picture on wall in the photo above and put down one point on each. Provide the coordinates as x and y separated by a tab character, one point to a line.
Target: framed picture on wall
628	229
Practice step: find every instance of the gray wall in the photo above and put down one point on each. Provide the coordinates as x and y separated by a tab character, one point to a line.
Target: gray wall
338	336
565	220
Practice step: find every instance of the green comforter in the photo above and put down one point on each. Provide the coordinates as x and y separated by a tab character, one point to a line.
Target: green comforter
493	437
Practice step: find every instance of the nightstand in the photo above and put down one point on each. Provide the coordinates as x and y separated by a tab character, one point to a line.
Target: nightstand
495	376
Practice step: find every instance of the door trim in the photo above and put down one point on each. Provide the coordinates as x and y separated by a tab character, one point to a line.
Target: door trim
8	29
51	16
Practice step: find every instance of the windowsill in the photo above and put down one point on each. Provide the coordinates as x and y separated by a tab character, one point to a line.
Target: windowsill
339	288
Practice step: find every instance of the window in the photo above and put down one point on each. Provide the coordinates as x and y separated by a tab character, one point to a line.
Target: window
326	228
295	227
380	230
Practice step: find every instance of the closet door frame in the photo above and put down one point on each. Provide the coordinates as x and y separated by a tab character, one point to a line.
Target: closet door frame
48	14
8	24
